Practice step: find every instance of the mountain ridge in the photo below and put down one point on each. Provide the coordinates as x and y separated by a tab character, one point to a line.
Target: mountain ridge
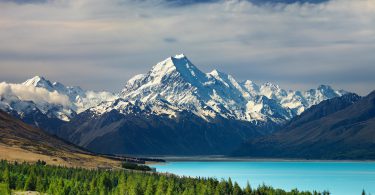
339	128
175	102
175	99
178	81
207	94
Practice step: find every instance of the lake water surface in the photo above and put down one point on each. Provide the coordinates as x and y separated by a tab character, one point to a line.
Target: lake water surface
340	178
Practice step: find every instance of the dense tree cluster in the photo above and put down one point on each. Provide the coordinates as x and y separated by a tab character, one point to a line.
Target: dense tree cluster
133	166
61	180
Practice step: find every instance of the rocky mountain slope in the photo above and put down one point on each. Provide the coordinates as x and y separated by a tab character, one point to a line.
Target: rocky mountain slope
339	128
180	83
173	109
47	105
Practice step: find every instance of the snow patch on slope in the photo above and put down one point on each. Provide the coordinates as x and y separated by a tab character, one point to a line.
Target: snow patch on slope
171	86
53	99
179	82
35	94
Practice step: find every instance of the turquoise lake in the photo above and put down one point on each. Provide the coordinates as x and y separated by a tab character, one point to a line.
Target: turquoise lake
340	178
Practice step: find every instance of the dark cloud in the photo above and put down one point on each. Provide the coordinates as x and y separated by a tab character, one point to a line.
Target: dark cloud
261	2
256	2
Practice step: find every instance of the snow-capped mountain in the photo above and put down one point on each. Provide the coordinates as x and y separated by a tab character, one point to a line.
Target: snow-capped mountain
178	83
175	108
172	85
297	101
80	99
52	99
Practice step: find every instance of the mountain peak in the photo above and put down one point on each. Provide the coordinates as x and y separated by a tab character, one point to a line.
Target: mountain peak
327	90
177	64
324	87
38	81
34	80
180	83
172	62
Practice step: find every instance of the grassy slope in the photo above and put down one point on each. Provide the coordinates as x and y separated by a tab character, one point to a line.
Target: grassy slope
22	142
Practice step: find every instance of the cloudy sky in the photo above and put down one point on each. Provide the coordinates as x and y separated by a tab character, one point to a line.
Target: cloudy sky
100	44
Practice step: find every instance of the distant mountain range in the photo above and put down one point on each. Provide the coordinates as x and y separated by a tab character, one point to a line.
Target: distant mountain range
173	109
339	128
52	99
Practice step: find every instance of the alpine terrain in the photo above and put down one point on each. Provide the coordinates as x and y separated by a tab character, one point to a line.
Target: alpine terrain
339	128
173	109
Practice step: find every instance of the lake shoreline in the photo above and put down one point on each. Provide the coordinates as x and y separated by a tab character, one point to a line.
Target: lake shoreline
218	158
337	177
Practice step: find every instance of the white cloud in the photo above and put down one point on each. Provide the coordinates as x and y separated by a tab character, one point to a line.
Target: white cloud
31	93
308	44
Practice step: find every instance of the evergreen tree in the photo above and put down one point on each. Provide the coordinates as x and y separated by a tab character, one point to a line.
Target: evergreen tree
135	189
121	184
30	183
150	189
189	191
6	176
6	182
229	186
237	189
20	183
93	186
171	188
39	185
162	185
105	183
248	189
223	187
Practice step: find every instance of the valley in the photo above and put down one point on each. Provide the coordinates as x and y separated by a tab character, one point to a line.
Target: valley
176	115
187	97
